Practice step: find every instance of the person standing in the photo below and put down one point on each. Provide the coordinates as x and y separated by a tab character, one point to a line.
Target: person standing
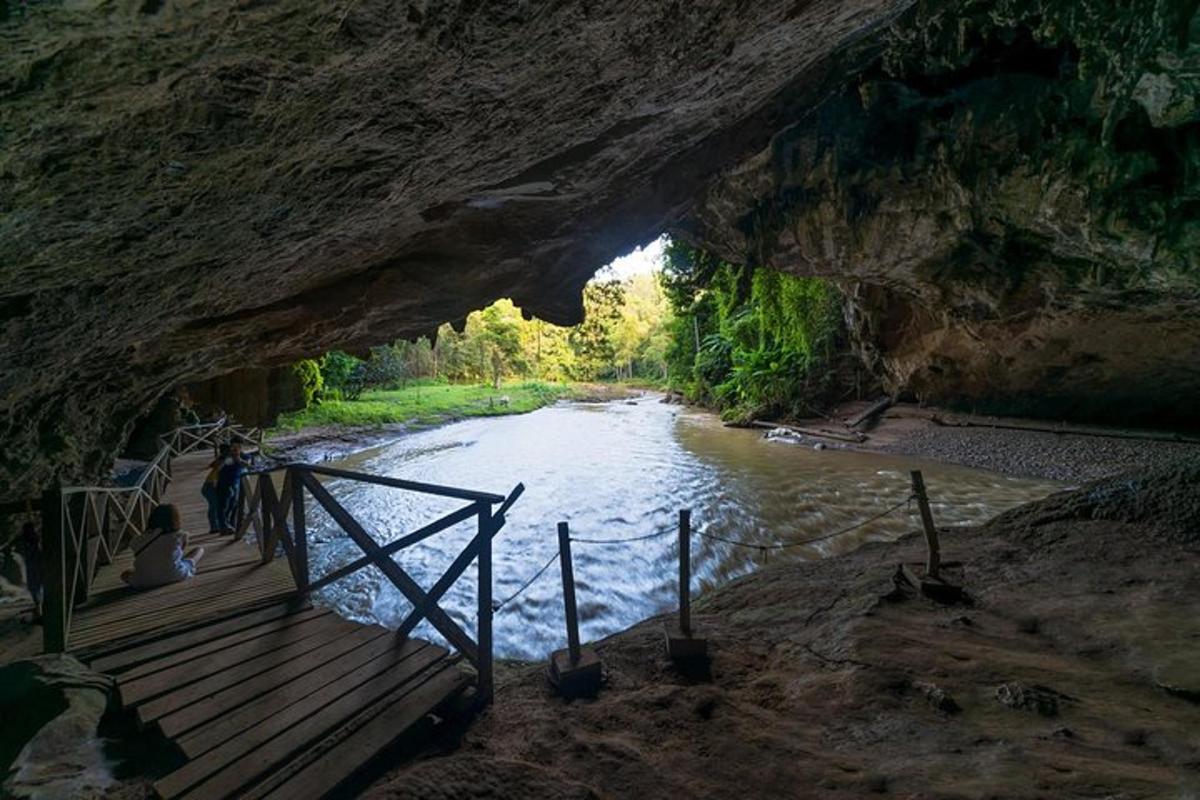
229	483
216	513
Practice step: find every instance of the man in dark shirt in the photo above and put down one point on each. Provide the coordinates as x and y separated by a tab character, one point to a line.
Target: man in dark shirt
229	482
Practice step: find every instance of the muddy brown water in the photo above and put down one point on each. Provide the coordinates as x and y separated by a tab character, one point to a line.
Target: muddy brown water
618	471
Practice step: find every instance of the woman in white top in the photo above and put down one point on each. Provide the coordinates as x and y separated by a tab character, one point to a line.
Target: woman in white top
158	557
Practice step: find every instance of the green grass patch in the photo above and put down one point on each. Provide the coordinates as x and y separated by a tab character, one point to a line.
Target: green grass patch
426	403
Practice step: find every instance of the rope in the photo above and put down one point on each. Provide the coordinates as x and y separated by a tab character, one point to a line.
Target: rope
622	541
786	545
497	606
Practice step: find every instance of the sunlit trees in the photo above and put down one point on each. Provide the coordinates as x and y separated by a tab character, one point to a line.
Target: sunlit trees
625	335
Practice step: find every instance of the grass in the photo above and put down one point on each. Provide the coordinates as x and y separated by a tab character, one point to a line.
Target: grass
428	403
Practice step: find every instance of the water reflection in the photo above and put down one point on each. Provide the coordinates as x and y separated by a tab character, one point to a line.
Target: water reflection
616	471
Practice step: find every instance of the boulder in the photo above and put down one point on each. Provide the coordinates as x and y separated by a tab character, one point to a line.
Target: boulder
51	707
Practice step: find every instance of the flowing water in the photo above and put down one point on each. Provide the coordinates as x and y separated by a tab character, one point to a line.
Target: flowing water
619	471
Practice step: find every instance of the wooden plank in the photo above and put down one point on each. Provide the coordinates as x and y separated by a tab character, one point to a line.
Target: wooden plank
136	689
407	586
175	699
876	408
189	655
348	670
277	587
278	590
176	723
131	655
242	760
342	756
398	483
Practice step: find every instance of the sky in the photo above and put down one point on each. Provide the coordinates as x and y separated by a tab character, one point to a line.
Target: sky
643	259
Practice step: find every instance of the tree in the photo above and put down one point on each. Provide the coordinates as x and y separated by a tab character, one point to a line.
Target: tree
592	339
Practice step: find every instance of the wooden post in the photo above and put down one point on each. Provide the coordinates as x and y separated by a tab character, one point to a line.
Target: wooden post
54	581
576	671
933	564
486	680
568	579
682	646
685	571
299	532
265	493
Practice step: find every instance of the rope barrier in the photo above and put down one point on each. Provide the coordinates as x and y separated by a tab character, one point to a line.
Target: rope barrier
622	541
786	545
497	606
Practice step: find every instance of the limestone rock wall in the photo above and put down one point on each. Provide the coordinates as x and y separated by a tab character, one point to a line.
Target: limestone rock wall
1009	195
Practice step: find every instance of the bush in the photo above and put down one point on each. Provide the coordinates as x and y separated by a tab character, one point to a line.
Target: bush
309	373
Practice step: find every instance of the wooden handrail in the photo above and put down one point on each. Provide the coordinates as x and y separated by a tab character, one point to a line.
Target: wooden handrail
415	486
270	512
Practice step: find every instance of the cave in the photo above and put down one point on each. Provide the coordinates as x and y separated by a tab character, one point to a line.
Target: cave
1003	194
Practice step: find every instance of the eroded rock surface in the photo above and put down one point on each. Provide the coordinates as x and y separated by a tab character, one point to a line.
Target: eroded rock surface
1007	188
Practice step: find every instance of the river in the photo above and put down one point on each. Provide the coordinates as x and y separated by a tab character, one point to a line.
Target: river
619	471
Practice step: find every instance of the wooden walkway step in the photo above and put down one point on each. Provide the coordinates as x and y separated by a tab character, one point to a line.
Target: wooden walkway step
282	700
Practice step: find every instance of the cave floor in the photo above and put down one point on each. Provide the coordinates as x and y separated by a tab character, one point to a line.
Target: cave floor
1073	673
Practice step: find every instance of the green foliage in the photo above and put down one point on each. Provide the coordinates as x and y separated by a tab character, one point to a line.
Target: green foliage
593	340
750	341
309	373
336	369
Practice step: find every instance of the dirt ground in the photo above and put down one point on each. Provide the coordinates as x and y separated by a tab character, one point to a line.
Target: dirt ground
1074	672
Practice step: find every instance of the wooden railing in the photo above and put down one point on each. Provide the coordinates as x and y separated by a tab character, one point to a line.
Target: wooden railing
277	514
85	527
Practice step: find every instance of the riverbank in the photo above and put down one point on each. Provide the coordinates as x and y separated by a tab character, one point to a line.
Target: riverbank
1007	445
1072	674
337	428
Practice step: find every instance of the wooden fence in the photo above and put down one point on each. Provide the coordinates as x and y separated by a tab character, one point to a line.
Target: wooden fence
84	527
276	512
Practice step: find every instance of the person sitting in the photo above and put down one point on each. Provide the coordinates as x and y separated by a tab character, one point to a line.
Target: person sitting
216	511
158	554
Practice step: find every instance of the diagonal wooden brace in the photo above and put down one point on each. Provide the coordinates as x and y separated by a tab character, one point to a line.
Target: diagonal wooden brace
407	586
464	559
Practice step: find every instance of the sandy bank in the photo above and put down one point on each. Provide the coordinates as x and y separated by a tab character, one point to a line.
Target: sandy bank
938	434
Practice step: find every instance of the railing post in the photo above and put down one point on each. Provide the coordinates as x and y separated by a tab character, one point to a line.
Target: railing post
299	532
685	571
568	579
682	646
54	563
934	562
265	494
486	678
576	671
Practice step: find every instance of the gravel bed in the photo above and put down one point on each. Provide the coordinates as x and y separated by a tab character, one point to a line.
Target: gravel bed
1060	457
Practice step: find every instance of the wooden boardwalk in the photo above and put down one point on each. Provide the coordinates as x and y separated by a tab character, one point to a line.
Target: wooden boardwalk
231	575
263	694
